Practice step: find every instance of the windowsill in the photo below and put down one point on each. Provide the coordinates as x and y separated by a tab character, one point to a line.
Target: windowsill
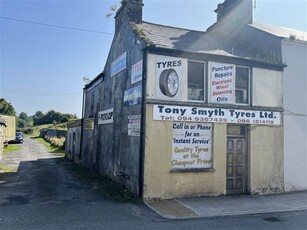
192	170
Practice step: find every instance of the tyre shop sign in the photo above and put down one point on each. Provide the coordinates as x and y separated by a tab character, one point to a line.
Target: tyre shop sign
191	145
222	83
169	72
215	115
105	117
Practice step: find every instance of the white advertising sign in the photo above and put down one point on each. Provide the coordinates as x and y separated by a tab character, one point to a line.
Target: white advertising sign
169	77
105	117
134	125
89	123
136	72
118	64
215	115
191	145
222	82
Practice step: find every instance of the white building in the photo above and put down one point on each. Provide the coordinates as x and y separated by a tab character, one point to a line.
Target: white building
293	45
294	54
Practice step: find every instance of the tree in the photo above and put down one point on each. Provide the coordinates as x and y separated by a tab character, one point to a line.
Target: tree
24	121
38	118
51	117
24	116
21	123
6	108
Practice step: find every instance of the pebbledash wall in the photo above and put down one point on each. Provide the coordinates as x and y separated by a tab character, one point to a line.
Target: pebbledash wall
186	143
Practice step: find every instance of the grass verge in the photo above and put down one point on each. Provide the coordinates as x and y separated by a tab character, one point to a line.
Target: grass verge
11	148
103	185
5	169
52	148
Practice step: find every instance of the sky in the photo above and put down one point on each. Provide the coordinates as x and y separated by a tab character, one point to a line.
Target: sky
47	47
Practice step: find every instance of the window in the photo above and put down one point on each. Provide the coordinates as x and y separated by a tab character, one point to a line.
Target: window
196	81
236	130
242	85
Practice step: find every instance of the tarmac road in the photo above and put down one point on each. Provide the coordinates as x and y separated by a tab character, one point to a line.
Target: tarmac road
40	178
42	194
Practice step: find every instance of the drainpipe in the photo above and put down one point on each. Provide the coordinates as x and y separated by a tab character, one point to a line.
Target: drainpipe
82	123
143	125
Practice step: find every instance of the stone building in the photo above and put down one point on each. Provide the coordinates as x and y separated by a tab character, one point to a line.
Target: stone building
183	113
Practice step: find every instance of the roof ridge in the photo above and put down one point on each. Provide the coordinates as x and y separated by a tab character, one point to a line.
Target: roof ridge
279	27
173	27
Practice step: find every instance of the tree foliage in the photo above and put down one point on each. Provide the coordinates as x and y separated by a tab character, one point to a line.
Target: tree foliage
6	108
39	118
51	117
24	116
24	121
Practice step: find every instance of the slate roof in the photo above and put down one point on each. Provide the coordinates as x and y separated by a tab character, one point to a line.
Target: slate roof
199	41
180	39
281	31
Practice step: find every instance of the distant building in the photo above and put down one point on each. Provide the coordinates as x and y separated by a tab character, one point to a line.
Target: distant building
2	135
183	113
10	129
73	140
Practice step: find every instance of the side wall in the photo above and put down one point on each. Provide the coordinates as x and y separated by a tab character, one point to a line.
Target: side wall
295	115
111	145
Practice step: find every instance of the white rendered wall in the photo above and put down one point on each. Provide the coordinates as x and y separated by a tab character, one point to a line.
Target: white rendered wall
295	115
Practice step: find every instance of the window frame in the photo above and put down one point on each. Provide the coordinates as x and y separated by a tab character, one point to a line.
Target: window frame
248	94
205	79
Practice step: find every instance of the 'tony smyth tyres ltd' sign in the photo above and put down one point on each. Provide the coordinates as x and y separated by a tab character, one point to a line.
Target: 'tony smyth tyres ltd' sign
215	115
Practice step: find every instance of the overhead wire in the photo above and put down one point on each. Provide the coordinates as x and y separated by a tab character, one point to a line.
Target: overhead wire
56	26
41	94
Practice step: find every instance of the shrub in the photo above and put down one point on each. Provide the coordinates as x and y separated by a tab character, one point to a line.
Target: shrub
57	142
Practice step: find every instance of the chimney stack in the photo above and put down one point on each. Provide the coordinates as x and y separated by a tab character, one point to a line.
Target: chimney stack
131	11
235	9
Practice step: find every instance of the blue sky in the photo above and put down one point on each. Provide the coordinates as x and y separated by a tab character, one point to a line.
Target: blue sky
42	67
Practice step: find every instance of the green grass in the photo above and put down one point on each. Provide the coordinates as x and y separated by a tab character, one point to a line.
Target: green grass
5	169
11	148
103	185
52	148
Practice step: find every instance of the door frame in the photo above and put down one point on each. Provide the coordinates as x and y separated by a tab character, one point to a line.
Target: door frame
242	134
